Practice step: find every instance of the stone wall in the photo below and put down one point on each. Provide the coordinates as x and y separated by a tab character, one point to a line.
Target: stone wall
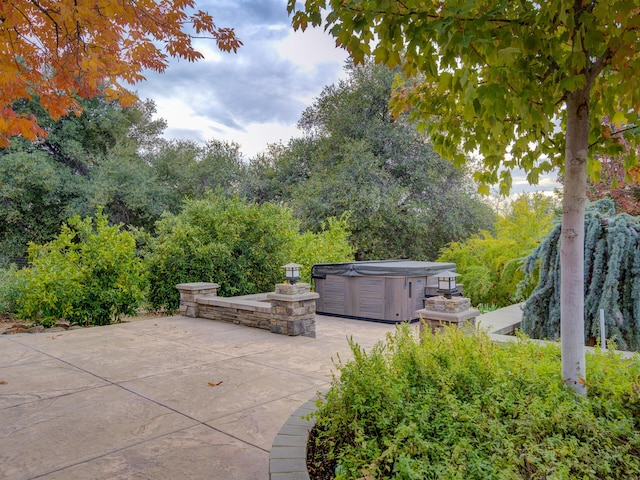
290	310
239	311
440	311
189	292
293	310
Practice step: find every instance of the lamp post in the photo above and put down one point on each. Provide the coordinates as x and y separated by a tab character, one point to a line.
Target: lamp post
292	272
447	283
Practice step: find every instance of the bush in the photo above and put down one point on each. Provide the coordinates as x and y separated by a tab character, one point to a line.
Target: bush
456	406
11	288
88	275
330	245
239	245
491	267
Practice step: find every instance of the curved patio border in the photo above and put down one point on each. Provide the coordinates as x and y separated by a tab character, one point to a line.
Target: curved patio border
288	456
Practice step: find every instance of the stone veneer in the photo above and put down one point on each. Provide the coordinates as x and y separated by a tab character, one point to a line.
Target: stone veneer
189	293
440	311
293	310
290	310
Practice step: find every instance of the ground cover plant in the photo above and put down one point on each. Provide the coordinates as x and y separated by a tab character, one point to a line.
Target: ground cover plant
458	406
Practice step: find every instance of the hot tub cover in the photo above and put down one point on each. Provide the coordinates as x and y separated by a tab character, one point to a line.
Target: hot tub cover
390	268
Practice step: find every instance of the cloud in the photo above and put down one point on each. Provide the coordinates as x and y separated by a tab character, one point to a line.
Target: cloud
263	88
256	97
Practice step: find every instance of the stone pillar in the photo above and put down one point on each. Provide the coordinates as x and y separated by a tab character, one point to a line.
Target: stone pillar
293	310
188	294
440	311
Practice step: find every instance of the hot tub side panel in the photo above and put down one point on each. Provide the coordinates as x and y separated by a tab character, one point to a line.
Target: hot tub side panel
381	298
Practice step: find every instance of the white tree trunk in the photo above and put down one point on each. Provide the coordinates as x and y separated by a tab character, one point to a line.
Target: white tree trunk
572	243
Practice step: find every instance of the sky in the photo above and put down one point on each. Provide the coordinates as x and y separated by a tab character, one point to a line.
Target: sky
256	96
253	97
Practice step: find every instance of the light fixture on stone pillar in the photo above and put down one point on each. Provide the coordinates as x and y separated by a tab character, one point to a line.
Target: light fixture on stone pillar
447	283
291	272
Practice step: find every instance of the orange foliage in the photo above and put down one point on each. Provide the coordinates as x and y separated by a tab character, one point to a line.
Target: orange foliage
625	193
62	50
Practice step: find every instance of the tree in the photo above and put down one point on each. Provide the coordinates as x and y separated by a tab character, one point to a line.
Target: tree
273	174
524	84
96	158
36	196
612	274
356	158
128	190
63	51
188	170
491	265
616	180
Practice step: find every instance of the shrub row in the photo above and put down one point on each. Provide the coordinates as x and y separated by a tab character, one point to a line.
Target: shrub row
94	273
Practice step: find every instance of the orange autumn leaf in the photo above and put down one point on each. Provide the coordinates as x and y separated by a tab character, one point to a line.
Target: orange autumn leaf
62	50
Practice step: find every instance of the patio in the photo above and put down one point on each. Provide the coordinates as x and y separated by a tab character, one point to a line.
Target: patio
170	397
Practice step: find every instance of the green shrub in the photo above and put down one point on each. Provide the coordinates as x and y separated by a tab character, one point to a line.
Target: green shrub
491	266
458	406
239	245
11	288
89	275
331	244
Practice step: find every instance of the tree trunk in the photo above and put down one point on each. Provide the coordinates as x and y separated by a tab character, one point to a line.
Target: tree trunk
572	243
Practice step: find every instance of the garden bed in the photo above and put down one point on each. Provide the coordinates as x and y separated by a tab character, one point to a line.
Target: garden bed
456	406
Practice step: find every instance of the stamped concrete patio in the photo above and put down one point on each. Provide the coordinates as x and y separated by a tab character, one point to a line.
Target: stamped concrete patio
164	398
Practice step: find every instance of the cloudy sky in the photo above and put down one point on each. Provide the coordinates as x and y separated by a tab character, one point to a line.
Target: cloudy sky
254	97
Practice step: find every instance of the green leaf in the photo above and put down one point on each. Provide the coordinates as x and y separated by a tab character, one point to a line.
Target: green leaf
508	53
619	118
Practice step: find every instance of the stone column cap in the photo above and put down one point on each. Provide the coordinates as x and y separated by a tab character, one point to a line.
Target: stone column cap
196	286
447	316
299	297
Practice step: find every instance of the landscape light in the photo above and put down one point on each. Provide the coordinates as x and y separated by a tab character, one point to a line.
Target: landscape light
292	272
447	283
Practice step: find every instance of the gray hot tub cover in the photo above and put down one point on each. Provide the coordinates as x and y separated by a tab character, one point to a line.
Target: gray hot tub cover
391	268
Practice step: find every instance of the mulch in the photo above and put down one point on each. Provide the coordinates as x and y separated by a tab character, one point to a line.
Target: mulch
318	466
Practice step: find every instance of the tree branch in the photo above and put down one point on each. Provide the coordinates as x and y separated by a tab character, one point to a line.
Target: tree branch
599	64
422	13
613	134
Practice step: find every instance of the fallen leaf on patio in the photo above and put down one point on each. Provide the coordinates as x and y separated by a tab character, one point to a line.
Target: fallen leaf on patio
2	382
212	384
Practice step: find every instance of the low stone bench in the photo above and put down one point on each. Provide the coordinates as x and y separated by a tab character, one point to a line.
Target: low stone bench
238	303
290	310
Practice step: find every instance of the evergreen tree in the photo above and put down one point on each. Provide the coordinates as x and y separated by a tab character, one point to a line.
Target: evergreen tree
403	200
612	279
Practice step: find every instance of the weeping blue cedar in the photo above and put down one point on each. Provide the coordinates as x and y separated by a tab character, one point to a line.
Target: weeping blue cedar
612	279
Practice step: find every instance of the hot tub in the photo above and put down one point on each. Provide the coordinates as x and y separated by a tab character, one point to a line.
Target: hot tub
385	291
